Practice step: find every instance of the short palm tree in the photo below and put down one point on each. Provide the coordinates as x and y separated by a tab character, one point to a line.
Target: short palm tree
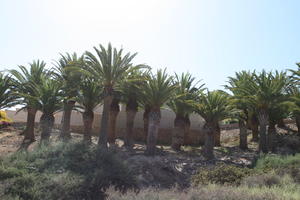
183	105
157	90
49	98
213	107
269	92
109	66
89	97
293	104
239	102
67	72
7	98
22	84
130	97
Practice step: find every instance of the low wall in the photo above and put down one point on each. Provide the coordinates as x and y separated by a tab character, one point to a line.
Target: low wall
195	137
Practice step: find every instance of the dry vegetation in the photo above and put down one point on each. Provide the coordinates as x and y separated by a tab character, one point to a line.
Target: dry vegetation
78	171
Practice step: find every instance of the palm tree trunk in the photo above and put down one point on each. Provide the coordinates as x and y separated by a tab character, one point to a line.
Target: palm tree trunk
146	120
29	130
254	128
178	132
113	114
243	134
187	126
208	150
46	123
298	123
102	142
66	120
272	136
263	119
217	136
88	118
154	122
131	110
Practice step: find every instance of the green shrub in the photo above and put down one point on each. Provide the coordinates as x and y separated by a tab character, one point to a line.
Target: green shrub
68	171
10	172
281	165
220	174
271	162
203	193
262	180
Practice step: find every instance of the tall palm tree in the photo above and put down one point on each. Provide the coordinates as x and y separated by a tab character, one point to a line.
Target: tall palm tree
89	97
239	102
22	81
67	71
183	105
109	66
213	107
157	90
7	98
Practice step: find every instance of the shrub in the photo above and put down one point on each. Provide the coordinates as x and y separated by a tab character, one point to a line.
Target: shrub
262	180
203	193
69	171
281	165
220	174
10	172
269	162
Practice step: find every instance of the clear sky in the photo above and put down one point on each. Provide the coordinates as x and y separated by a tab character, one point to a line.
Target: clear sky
209	38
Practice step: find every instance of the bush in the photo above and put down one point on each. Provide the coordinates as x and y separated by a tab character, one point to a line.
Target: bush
10	172
281	165
262	180
203	193
220	174
68	171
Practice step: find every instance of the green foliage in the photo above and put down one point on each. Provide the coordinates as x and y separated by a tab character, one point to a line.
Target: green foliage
90	93
24	79
186	94
7	99
65	171
109	65
220	174
281	165
157	90
68	71
208	193
213	106
270	162
10	172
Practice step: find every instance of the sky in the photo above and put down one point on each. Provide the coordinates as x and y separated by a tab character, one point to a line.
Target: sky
212	39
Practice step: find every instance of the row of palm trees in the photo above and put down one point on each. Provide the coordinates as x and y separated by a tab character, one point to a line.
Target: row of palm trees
108	77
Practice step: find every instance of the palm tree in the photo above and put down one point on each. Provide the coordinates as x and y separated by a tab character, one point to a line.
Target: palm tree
157	90
67	71
108	66
269	92
49	98
239	102
130	96
7	98
213	107
183	105
22	81
89	97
